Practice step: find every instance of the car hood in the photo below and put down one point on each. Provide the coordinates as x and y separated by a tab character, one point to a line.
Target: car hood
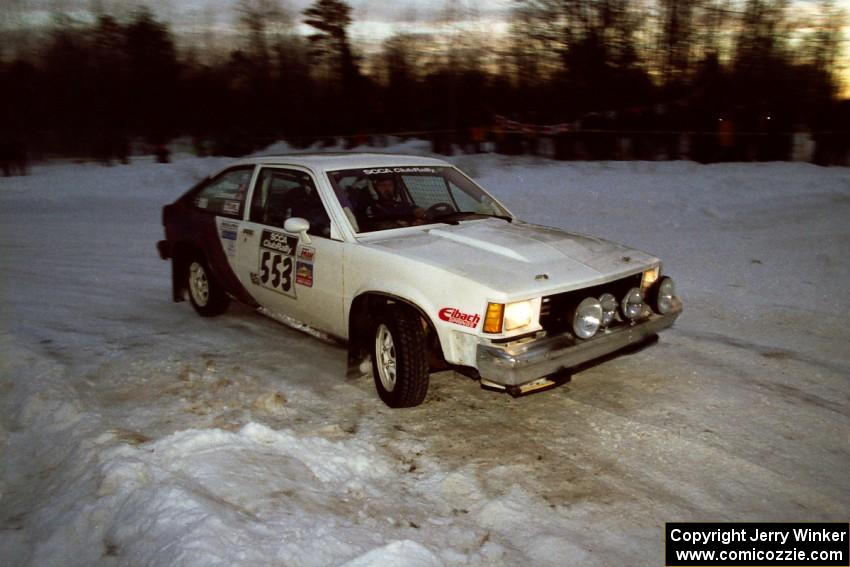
518	258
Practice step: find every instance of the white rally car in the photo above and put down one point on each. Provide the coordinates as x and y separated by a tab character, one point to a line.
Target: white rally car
415	266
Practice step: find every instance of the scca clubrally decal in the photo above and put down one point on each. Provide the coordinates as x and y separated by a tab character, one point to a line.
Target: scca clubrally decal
277	253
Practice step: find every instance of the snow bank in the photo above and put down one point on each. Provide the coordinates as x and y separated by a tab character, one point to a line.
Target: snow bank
196	497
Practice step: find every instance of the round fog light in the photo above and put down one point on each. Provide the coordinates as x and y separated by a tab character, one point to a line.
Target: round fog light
664	295
632	304
587	318
609	308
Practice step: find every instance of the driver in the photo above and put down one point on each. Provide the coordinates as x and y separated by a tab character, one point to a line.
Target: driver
388	204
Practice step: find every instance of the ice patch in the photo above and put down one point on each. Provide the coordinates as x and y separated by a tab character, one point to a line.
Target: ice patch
404	553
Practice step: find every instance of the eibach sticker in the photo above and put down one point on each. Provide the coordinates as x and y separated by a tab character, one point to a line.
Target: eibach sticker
458	317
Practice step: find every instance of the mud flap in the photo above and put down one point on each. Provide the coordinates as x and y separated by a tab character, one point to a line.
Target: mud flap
359	365
178	284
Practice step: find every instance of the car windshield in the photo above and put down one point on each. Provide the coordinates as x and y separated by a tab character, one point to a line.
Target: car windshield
390	197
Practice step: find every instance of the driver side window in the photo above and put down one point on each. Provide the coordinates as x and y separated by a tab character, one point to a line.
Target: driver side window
280	194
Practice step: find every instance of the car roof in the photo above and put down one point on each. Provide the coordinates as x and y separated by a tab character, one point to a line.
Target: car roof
349	160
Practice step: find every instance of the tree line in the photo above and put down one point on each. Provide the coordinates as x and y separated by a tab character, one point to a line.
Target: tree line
721	70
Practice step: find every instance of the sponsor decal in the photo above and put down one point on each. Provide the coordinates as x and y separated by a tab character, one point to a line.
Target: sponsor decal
255	278
458	317
307	254
381	170
279	242
229	230
414	170
231	207
304	274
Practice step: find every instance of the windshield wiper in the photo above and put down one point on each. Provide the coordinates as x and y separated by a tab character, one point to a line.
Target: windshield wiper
455	217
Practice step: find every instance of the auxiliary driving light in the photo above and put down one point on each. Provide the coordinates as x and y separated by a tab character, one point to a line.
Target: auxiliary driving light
632	305
664	294
587	318
609	308
648	278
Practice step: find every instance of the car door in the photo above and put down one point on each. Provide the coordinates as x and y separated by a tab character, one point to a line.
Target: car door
217	208
288	276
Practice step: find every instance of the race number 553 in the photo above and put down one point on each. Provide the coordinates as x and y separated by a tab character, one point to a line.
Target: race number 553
276	271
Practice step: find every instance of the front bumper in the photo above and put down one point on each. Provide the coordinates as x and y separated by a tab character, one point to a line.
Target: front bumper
519	363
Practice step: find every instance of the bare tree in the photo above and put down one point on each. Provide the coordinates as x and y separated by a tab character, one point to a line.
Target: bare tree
262	21
824	44
14	38
677	31
714	19
763	34
331	19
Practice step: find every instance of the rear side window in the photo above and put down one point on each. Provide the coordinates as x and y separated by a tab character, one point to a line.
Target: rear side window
225	194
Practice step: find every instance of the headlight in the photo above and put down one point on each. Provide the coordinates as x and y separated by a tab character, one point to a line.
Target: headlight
664	294
632	304
587	318
609	308
517	315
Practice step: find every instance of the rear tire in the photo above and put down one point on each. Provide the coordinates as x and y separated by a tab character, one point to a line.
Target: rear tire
205	294
400	358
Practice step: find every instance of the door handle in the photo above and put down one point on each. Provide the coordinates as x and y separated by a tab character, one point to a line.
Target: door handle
248	231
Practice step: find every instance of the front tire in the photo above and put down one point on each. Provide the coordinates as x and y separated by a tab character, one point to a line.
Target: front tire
399	358
205	294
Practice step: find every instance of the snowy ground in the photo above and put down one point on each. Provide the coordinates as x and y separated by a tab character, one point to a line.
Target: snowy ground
133	432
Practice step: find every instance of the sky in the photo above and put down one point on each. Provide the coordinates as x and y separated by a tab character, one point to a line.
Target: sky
372	18
195	21
190	12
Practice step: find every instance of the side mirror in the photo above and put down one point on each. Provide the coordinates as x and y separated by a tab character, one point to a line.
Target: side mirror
298	226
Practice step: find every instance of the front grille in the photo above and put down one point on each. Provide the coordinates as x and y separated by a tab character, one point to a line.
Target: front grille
556	310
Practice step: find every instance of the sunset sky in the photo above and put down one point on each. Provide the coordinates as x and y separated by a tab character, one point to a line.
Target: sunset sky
198	21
